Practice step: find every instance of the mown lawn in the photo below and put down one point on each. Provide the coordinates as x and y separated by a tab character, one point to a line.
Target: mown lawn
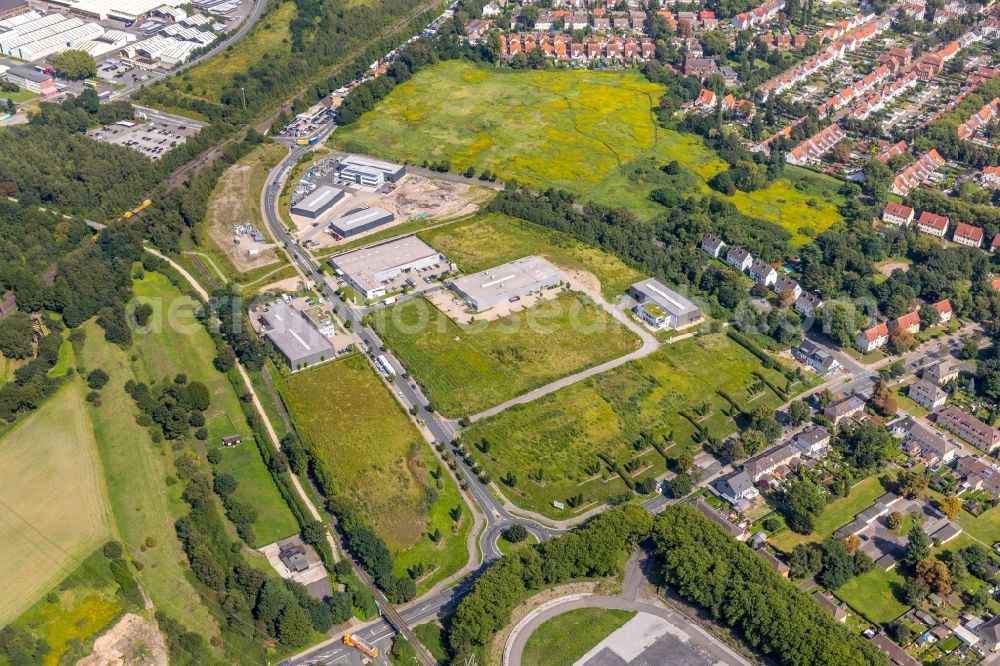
347	416
564	433
468	368
488	240
875	595
577	130
837	513
564	639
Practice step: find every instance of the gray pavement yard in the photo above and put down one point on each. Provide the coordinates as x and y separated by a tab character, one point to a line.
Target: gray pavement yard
648	640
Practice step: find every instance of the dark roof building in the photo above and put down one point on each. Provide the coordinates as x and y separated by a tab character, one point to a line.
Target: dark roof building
293	556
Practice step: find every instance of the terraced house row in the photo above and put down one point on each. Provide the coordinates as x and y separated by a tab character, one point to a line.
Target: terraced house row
593	47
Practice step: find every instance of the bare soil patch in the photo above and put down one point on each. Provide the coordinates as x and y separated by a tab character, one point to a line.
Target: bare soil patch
134	641
233	204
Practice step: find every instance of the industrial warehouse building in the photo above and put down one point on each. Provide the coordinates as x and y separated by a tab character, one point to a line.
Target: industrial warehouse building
319	201
517	278
295	336
361	221
662	307
123	10
367	171
366	269
33	36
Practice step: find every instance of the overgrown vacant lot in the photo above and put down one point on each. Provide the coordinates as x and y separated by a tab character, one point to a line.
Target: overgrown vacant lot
563	433
55	507
565	638
489	240
345	413
467	368
582	131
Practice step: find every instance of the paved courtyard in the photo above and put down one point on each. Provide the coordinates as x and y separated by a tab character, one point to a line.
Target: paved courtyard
649	640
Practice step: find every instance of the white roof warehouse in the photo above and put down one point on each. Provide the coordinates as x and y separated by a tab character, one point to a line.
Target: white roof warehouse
502	283
367	268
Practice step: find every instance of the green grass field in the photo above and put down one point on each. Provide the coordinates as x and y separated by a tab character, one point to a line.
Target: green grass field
467	368
564	639
875	595
347	415
184	346
144	505
837	513
582	131
55	503
432	636
564	432
488	240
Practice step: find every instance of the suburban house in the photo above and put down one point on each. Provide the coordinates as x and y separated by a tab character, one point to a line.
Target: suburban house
897	214
839	614
710	512
873	338
813	441
989	631
763	272
916	173
924	442
969	428
944	310
707	100
927	394
807	303
897	655
736	488
786	283
940	373
779	567
232	440
767	462
968	235
979	474
910	322
712	244
844	409
932	224
818	359
739	258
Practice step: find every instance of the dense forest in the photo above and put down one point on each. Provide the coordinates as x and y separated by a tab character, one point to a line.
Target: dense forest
737	587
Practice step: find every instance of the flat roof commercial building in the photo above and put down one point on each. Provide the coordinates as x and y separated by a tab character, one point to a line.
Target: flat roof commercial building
319	201
366	269
514	279
361	221
390	171
363	176
662	307
295	336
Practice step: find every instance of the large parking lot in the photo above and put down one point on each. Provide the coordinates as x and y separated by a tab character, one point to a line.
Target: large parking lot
154	136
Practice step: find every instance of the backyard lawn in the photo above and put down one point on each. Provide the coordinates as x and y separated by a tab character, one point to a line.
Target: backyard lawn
875	595
380	463
837	513
564	639
468	368
588	132
489	240
562	435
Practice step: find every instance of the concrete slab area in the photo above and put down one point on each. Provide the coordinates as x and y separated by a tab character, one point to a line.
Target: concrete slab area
647	640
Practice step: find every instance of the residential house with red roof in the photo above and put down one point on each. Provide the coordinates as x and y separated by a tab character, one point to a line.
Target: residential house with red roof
968	235
910	322
813	148
873	338
932	224
707	100
943	308
917	172
898	214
